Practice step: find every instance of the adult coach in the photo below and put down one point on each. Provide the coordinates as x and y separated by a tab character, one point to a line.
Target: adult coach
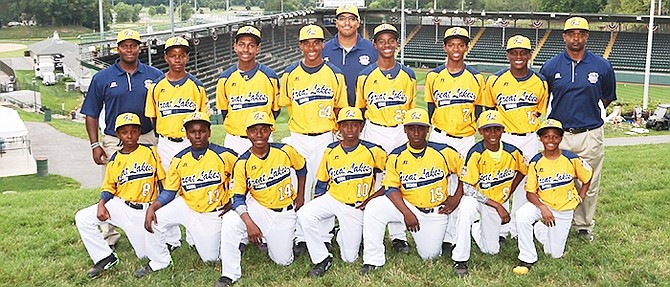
582	84
119	88
244	88
348	50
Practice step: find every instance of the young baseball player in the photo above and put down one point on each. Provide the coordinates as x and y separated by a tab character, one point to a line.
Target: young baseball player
453	94
385	91
264	200
416	194
345	180
132	181
552	197
314	91
244	88
520	95
493	170
200	174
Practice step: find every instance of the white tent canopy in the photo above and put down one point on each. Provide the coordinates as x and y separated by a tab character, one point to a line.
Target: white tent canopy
15	153
12	125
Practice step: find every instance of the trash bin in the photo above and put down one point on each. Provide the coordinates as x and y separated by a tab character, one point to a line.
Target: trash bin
42	165
47	115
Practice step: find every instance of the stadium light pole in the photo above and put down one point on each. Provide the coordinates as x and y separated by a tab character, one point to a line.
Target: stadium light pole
171	18
402	32
647	65
102	24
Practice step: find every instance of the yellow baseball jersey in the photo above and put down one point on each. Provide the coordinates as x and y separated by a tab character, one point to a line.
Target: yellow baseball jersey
311	94
422	175
455	97
348	174
242	93
170	102
386	95
134	176
554	180
519	101
269	178
492	177
202	177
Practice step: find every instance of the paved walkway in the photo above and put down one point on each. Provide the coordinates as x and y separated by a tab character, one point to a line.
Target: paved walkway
637	140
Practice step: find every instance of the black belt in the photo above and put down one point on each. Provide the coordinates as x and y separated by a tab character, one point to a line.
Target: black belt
429	209
395	126
519	134
314	134
575	131
355	204
136	205
282	209
440	131
177	140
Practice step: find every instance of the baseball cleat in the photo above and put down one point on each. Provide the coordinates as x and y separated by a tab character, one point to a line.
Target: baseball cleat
320	268
461	268
400	246
242	247
299	248
502	240
329	246
223	282
585	235
367	268
522	268
447	248
102	265
144	271
263	247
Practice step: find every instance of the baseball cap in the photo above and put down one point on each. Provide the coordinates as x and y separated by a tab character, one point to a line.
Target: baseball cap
576	23
249	31
177	42
311	32
417	117
490	118
385	28
457	32
126	119
350	114
550	124
128	34
197	117
347	8
260	118
518	41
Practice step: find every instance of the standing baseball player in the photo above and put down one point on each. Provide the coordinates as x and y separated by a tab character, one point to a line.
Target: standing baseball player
454	94
200	174
314	91
244	88
552	197
385	91
264	200
345	180
416	194
120	88
493	170
348	50
520	95
132	181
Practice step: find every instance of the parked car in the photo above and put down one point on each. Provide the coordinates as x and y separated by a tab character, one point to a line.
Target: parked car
660	119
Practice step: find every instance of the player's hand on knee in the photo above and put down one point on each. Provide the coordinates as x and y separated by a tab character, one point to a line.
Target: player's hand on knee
449	205
411	222
103	213
255	234
547	216
99	156
226	208
298	202
504	214
150	219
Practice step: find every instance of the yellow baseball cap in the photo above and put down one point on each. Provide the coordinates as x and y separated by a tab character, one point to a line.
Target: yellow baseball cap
518	41
347	8
490	118
550	124
311	32
177	42
417	117
197	117
457	32
576	23
350	114
260	118
128	34
385	28
127	119
249	31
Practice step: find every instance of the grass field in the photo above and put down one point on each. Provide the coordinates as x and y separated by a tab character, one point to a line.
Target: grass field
40	244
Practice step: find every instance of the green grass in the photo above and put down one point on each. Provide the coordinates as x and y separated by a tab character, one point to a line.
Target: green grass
40	244
34	182
42	32
54	96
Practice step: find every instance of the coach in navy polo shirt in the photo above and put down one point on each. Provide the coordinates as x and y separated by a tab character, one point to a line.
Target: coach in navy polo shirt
583	85
120	88
348	50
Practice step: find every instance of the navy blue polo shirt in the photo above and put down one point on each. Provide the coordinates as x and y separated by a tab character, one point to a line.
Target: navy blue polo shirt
120	92
578	87
358	58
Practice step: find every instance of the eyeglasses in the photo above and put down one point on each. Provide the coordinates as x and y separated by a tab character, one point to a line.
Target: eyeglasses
347	18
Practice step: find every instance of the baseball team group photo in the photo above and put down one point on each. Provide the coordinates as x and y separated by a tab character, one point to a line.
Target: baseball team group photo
350	144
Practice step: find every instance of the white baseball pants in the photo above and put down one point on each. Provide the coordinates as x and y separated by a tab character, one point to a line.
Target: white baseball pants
528	145
485	233
553	238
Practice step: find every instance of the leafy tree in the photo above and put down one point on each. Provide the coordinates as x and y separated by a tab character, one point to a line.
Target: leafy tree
152	11
127	13
185	11
161	9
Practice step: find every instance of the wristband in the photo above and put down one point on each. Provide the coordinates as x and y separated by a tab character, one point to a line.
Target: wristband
95	144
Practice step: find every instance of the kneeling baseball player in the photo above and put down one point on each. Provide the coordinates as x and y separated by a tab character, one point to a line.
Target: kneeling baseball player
131	182
345	180
552	197
200	174
264	172
493	169
416	194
